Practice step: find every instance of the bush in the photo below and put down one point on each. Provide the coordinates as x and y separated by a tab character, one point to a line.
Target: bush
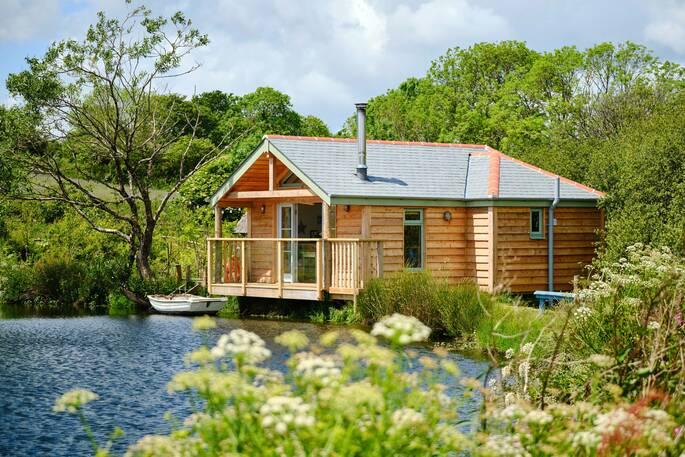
455	309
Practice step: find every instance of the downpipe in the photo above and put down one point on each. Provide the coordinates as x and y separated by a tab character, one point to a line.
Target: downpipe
550	235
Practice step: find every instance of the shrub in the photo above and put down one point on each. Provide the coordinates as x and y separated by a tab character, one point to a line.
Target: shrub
455	309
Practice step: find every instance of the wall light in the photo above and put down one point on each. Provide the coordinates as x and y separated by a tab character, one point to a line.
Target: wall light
447	216
347	208
262	209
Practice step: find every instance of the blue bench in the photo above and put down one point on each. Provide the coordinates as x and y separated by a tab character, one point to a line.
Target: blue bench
543	296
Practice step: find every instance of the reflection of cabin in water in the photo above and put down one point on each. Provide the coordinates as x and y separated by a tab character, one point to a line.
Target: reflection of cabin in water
318	220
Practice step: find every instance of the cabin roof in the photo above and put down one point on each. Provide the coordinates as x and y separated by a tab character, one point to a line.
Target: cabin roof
412	170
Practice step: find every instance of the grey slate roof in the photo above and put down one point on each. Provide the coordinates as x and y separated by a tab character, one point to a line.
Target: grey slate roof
420	171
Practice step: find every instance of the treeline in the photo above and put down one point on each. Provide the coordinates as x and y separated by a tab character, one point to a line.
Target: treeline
609	116
50	257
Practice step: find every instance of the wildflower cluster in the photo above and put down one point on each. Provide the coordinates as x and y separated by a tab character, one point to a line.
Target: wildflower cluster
281	413
72	401
579	429
356	398
401	330
243	346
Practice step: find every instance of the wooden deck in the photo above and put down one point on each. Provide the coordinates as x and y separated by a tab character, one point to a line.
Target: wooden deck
293	268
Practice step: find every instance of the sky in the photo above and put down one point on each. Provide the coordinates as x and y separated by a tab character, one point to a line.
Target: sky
329	54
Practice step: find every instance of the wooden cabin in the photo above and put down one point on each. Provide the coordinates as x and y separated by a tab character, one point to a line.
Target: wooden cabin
324	215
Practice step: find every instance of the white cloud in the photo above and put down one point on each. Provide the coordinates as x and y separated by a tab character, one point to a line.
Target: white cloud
26	19
668	26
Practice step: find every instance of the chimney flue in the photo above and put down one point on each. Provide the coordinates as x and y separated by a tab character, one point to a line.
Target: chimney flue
361	141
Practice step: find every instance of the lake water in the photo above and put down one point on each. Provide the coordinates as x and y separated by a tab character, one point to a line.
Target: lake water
126	361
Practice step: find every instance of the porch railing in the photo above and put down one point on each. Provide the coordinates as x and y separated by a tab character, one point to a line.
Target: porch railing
337	265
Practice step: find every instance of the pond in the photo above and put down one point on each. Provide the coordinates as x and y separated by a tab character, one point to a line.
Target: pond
127	361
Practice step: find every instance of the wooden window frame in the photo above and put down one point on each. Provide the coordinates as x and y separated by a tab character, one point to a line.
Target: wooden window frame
540	234
420	223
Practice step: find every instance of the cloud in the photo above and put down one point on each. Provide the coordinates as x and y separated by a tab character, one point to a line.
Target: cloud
668	27
329	54
26	19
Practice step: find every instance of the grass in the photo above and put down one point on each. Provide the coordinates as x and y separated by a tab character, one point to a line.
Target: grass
511	323
452	309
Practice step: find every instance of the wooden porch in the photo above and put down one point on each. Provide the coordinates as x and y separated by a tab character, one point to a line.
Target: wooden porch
292	268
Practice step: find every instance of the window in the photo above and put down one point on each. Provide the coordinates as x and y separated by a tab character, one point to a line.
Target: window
413	238
536	224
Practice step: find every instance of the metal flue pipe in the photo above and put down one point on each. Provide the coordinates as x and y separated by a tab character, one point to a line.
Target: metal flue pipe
361	142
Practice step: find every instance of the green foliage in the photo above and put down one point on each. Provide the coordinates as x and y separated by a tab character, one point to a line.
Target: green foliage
231	310
119	305
511	324
455	309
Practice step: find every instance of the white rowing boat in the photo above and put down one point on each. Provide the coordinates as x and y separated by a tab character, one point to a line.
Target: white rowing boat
186	304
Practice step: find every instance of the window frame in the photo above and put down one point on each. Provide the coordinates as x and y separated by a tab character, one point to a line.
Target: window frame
536	235
415	223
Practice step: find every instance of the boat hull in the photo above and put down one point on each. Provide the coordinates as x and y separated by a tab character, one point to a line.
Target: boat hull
186	304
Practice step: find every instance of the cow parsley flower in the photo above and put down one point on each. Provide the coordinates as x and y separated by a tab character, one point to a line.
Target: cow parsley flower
538	417
405	419
505	445
509	354
244	346
582	313
527	348
586	440
319	370
293	340
282	413
74	400
601	360
203	323
400	329
653	325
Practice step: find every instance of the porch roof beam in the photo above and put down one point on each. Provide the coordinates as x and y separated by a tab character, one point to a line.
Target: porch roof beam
280	193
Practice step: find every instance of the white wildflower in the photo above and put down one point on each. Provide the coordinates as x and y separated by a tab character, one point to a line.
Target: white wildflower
527	348
506	371
282	413
405	419
601	360
587	440
509	413
653	325
401	329
509	399
154	446
505	446
509	354
582	313
610	421
538	417
293	339
524	368
73	400
242	345
320	370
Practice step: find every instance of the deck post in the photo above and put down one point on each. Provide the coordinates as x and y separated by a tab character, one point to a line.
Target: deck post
279	267
218	245
243	273
355	272
319	267
209	267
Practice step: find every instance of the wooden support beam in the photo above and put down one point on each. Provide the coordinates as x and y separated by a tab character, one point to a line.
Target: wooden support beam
272	173
218	214
243	264
283	193
279	267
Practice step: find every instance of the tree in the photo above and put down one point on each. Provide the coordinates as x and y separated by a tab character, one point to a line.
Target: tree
103	121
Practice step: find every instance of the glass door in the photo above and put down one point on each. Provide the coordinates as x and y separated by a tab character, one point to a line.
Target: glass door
287	228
